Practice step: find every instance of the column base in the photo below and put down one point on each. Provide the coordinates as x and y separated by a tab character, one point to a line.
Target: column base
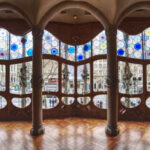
111	131
36	132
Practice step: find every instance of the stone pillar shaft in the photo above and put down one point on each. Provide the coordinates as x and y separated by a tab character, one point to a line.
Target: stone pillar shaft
37	81
112	82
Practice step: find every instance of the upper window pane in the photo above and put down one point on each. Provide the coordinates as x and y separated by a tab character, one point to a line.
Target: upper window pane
50	44
100	44
4	44
67	51
129	45
83	51
16	47
29	44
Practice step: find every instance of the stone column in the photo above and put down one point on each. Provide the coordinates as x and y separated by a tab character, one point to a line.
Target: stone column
37	81
112	82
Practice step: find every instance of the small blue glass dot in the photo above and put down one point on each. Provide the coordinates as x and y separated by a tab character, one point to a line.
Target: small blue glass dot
14	47
71	50
80	57
30	52
120	52
137	46
87	47
48	38
54	51
2	54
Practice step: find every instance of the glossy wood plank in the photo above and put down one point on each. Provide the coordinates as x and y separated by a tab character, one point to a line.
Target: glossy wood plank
75	134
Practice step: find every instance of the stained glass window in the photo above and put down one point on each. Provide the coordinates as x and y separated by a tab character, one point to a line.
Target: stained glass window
83	100
50	44
2	78
130	78
148	102
50	75
83	78
49	101
100	101
4	44
133	46
29	44
83	51
100	44
146	43
148	77
3	102
21	102
99	76
16	48
68	100
20	78
67	51
67	79
121	43
130	102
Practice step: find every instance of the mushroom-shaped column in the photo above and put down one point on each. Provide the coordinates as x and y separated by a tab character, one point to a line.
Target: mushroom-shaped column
112	82
37	81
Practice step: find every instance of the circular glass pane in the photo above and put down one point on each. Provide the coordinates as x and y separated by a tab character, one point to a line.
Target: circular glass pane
68	100
148	102
21	102
84	100
3	102
130	102
49	101
100	101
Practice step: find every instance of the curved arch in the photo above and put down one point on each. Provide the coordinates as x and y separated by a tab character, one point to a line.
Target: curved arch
66	5
7	6
140	5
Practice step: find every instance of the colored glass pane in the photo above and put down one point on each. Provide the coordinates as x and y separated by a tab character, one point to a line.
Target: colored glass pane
29	45
83	51
100	44
16	47
4	44
68	51
50	44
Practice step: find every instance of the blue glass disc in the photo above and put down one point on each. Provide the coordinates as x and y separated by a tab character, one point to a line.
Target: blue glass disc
54	51
137	46
30	52
80	57
71	50
14	47
120	52
87	47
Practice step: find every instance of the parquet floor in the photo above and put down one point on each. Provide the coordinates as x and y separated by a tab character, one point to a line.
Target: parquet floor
74	134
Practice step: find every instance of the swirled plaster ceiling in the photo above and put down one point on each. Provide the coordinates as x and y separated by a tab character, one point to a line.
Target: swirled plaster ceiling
35	10
74	18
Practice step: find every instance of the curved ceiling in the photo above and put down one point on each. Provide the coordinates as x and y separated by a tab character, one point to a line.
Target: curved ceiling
67	19
36	9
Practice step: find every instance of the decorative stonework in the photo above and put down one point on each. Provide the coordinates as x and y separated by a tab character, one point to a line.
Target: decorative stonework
37	33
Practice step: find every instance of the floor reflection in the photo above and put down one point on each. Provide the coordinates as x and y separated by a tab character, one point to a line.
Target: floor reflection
75	134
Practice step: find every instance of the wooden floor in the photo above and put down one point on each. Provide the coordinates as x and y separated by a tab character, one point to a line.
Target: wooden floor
74	134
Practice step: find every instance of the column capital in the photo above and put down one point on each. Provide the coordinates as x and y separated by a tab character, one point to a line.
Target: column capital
111	30
37	32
